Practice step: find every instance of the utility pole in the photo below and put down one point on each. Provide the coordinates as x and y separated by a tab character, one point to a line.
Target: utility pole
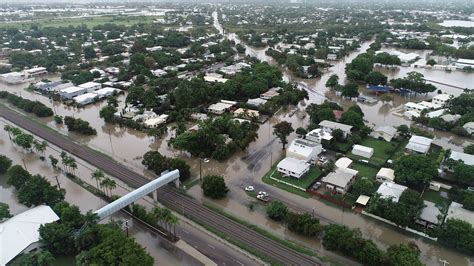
57	181
24	164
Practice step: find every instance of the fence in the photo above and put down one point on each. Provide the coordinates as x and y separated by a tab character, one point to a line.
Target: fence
330	199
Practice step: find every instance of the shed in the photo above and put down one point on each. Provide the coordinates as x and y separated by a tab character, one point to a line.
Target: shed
363	151
385	174
362	200
419	144
343	162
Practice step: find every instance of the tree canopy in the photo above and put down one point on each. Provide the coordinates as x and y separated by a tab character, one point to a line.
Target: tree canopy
415	170
214	186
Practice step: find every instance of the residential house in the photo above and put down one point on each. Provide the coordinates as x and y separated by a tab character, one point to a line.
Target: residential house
20	234
385	175
221	107
469	127
340	180
386	133
362	151
331	57
91	86
273	92
73	91
246	113
329	126
418	144
86	98
46	86
158	72
256	102
390	190
304	150
456	211
293	167
430	215
317	135
467	159
156	121
441	99
214	77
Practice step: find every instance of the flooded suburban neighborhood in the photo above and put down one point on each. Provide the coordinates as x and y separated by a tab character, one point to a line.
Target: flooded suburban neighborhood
297	129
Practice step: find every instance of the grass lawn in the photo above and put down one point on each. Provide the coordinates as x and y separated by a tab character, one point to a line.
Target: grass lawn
365	170
304	182
266	179
434	196
90	22
400	150
380	150
342	147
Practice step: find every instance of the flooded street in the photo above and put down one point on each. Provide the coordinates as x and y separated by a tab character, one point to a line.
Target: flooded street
160	250
244	168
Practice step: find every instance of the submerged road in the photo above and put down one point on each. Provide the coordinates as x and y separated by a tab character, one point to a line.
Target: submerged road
167	195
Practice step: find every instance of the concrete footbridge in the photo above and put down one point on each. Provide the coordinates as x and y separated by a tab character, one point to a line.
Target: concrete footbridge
149	188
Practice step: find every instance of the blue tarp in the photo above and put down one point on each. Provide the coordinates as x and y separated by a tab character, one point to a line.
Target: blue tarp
379	88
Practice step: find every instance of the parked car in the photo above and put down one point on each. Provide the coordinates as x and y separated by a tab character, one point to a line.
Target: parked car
249	188
263	193
317	185
263	198
470	189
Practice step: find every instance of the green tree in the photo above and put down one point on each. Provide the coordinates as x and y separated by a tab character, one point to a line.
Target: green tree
326	114
363	186
352	118
457	234
4	211
376	78
5	163
214	187
403	255
277	211
17	176
98	176
431	62
89	52
107	113
385	98
469	149
282	130
333	81
301	131
24	140
415	170
404	131
54	161
350	90
38	190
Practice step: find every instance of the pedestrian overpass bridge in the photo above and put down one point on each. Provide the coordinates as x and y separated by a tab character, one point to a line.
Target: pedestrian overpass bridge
151	187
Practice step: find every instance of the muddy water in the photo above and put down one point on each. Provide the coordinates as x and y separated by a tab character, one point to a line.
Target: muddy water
158	249
378	114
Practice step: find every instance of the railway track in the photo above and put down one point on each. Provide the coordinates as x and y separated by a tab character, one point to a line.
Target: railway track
168	196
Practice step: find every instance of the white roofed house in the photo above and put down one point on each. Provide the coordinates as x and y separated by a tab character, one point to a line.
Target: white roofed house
86	98
156	121
362	151
303	150
221	107
71	92
19	234
91	86
430	215
469	127
293	167
329	126
256	102
246	113
418	144
105	92
456	211
465	158
386	133
441	99
340	180
273	92
318	135
390	190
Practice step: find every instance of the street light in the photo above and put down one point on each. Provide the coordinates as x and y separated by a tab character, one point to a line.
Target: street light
125	226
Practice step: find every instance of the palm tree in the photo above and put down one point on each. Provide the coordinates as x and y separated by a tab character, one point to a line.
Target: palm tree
73	166
112	186
108	184
40	146
98	175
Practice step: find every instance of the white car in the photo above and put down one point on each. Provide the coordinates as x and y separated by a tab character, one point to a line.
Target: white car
249	188
263	193
263	198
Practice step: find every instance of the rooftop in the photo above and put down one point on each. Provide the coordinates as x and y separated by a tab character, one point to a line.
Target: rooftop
389	190
334	125
464	157
293	165
430	212
338	178
456	211
20	231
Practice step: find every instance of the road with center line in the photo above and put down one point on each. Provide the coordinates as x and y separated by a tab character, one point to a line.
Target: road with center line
167	195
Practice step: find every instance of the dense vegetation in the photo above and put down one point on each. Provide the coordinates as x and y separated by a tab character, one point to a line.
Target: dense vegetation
78	125
35	107
158	163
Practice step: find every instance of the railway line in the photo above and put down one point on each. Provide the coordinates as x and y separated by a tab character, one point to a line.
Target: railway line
166	195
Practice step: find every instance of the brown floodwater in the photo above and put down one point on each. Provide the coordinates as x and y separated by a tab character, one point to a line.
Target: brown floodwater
161	251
